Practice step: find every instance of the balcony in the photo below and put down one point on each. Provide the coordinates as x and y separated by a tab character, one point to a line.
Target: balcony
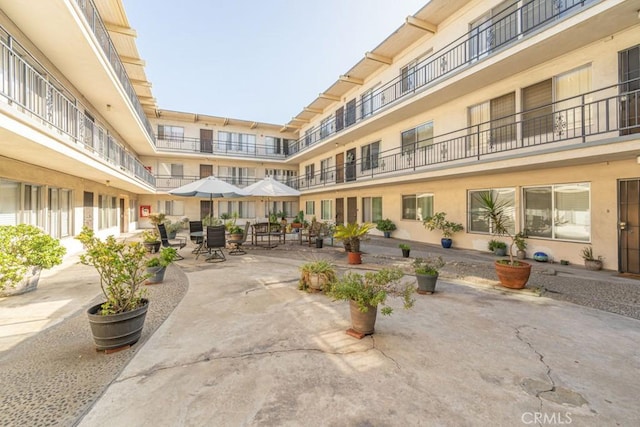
482	42
168	182
602	116
27	87
219	148
97	26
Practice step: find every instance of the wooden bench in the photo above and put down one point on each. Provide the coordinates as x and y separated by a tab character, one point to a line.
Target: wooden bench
264	230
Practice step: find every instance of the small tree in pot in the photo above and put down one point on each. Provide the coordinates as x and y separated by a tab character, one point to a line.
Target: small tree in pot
438	221
511	273
590	261
157	265
386	226
366	292
427	271
24	251
118	321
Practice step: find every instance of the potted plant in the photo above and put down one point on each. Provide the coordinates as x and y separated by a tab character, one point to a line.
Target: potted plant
366	292
235	232
173	228
157	265
521	244
118	321
511	273
498	247
406	249
427	271
151	240
317	276
590	261
157	218
438	221
351	235
298	222
24	251
386	226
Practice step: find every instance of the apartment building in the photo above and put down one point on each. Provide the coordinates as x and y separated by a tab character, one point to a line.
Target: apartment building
536	100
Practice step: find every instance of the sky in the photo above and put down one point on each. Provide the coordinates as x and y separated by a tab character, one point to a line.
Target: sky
257	60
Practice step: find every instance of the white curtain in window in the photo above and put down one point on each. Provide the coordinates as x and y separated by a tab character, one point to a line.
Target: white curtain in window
570	85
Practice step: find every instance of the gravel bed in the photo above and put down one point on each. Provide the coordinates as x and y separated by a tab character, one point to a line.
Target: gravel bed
53	378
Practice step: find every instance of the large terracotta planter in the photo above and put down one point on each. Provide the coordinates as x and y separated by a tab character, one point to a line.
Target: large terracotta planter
513	276
116	330
363	323
354	258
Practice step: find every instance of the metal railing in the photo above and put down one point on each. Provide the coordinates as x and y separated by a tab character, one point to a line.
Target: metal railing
483	41
97	26
594	116
23	86
219	147
169	182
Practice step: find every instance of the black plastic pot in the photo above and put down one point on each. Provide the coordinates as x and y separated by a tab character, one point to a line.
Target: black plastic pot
319	243
405	253
113	331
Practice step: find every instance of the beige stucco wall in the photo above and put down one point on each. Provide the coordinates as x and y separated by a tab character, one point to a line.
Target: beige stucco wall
450	196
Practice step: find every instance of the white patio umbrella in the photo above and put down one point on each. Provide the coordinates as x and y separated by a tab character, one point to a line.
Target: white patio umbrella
210	187
270	188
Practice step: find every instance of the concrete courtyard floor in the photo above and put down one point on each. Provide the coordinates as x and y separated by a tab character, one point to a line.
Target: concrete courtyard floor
245	347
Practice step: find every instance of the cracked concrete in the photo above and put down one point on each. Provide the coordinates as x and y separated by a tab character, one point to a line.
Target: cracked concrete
246	347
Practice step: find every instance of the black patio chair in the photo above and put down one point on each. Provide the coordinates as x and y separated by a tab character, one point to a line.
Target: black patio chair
216	241
178	242
196	227
237	244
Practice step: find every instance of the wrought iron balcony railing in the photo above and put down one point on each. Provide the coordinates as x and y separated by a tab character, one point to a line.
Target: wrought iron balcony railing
485	40
610	112
23	85
97	26
169	182
220	148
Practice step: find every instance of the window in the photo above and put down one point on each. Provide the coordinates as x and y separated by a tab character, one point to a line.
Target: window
310	207
308	134
9	202
238	142
60	212
366	103
171	133
325	127
309	171
558	211
493	122
371	209
369	155
418	206
107	211
326	207
350	115
237	175
477	223
407	76
243	209
420	136
273	145
32	211
174	170
339	119
541	117
492	30
171	207
325	166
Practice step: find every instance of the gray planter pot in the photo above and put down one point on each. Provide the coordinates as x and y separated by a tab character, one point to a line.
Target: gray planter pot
426	283
27	284
157	274
593	264
116	330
